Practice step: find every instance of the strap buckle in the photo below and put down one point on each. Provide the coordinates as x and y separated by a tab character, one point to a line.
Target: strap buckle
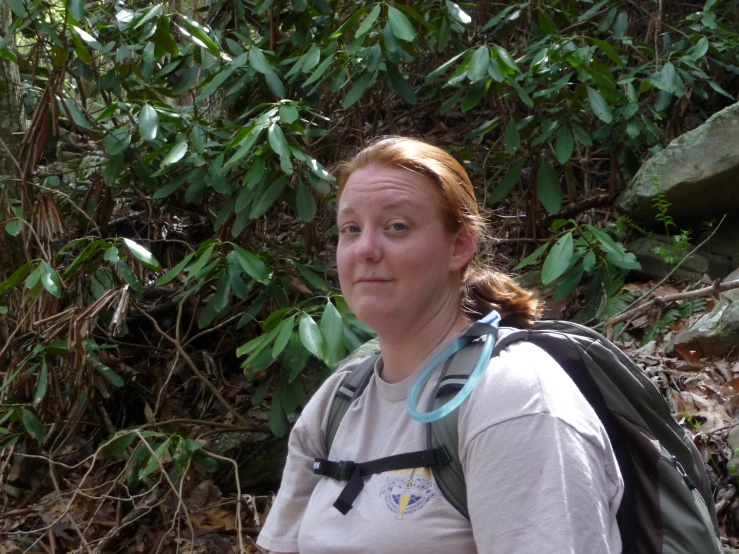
443	458
343	470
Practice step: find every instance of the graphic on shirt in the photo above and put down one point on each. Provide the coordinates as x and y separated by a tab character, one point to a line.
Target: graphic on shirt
406	491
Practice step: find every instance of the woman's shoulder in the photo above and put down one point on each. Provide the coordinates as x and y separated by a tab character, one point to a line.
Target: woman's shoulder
522	381
316	411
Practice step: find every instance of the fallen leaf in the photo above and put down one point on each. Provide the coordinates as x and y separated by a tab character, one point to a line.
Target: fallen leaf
691	356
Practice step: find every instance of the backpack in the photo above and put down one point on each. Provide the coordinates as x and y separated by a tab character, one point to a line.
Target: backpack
667	507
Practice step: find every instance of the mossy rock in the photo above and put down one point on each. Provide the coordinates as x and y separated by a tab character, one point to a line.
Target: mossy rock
697	173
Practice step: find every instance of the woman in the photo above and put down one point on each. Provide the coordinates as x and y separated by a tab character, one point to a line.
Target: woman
540	472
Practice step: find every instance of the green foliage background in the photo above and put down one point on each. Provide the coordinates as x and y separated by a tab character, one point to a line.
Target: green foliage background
182	149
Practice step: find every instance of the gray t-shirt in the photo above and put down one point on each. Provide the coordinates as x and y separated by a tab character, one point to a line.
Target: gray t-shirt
541	475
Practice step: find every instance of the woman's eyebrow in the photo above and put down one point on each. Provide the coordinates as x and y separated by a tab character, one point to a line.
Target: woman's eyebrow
390	205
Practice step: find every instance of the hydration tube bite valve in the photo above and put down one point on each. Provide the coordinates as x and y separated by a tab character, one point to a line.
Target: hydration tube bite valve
491	320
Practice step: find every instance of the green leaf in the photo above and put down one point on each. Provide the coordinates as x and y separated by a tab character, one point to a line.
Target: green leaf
599	106
368	21
442	69
129	277
310	335
75	10
43	382
269	197
171	187
111	375
332	330
33	425
15	279
50	280
569	283
507	183
558	259
621	24
400	25
522	94
277	419
718	88
153	12
175	271
360	85
512	137
119	446
146	258
548	187
474	95
478	66
175	154
200	36
506	58
305	202
277	141
400	85
320	70
608	50
607	244
258	62
531	258
289	114
565	145
14	227
709	5
252	265
668	78
211	86
457	13
313	279
700	49
113	169
275	85
116	141
152	464
220	299
588	262
591	11
283	337
311	58
582	136
148	122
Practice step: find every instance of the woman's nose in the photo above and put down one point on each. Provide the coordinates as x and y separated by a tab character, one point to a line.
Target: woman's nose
368	246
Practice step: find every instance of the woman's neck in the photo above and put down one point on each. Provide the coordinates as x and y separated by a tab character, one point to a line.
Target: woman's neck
401	355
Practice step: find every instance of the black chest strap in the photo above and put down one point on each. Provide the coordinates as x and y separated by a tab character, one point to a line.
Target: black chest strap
355	472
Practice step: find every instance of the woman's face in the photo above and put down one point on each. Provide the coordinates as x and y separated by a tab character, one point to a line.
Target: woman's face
398	264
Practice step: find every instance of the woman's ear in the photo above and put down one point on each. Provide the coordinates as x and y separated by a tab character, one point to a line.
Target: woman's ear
464	248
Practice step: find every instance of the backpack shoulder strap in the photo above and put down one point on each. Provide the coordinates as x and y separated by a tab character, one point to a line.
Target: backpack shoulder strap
445	432
350	389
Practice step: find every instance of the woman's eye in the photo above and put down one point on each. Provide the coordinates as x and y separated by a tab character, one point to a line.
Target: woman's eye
351	229
399	226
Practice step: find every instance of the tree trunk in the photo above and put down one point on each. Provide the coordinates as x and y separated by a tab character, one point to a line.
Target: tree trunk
12	126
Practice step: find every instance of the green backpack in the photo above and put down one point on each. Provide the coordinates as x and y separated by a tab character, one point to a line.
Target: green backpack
667	507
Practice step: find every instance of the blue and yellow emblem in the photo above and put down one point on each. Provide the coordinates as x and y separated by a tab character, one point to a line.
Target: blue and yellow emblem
406	491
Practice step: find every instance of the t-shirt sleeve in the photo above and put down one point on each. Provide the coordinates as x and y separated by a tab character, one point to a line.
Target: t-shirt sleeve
535	485
280	531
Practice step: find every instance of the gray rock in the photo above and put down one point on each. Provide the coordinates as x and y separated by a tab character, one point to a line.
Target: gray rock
654	267
369	348
698	173
716	333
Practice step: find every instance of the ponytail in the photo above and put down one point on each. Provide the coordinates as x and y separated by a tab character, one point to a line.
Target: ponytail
485	290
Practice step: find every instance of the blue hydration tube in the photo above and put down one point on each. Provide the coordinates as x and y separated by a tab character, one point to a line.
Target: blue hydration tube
492	320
